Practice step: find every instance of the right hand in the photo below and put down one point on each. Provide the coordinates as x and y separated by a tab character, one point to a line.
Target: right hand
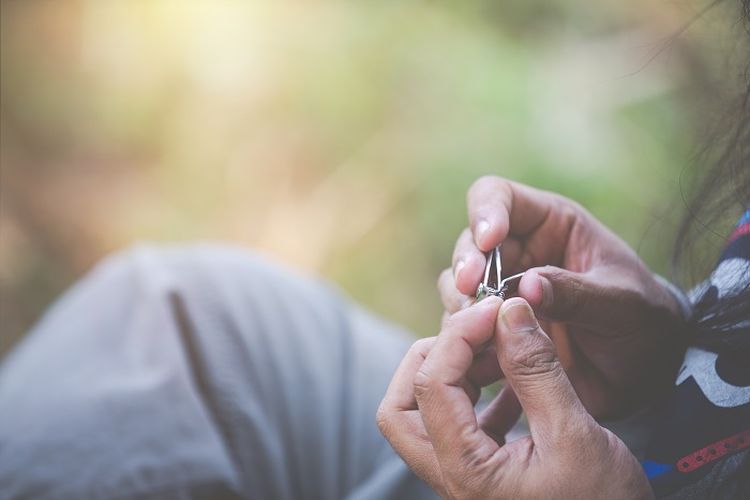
616	328
428	416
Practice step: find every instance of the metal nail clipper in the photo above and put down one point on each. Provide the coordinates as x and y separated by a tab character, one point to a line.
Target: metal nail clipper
493	284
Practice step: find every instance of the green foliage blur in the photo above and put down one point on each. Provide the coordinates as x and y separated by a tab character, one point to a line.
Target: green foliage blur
337	137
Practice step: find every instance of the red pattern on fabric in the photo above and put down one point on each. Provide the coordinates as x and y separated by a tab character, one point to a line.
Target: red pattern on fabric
714	451
740	231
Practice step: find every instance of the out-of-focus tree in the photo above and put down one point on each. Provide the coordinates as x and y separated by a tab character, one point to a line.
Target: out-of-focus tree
339	137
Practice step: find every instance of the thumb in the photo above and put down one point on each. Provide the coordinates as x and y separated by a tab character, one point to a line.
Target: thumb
528	358
561	295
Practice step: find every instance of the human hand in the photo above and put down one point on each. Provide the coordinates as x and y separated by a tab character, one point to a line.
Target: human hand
428	415
616	328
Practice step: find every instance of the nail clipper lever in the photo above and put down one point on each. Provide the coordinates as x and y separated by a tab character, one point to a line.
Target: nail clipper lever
493	284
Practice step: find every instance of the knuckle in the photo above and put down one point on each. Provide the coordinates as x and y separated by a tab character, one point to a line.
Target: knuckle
423	345
450	323
381	418
444	278
475	459
384	421
539	359
568	213
423	383
568	209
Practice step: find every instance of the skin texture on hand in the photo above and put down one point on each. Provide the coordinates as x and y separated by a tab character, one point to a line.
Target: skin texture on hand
616	328
428	415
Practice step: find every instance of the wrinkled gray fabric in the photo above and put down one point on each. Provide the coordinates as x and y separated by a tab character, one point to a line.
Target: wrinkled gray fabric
201	372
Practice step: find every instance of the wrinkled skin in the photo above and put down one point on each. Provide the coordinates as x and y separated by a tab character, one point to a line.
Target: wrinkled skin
428	415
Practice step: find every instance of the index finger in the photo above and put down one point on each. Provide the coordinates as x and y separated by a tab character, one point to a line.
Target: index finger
499	207
446	409
399	421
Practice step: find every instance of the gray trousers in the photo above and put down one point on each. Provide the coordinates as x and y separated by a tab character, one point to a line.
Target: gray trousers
202	372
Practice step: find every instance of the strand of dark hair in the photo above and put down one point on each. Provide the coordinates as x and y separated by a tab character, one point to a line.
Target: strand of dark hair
723	190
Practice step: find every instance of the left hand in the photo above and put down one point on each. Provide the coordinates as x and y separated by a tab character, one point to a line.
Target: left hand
618	331
428	415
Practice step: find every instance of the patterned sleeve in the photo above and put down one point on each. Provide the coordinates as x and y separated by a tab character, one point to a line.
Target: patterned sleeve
701	443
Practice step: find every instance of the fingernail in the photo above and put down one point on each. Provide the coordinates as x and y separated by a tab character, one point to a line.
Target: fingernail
546	292
482	227
456	270
491	301
519	317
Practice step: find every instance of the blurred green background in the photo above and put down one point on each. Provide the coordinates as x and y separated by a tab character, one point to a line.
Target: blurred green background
338	137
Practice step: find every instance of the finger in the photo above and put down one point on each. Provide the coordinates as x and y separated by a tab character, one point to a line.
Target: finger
529	361
446	410
453	300
400	393
560	295
499	417
399	421
444	319
485	369
413	445
468	263
498	207
407	436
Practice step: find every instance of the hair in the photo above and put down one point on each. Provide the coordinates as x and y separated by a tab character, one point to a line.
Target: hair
723	190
